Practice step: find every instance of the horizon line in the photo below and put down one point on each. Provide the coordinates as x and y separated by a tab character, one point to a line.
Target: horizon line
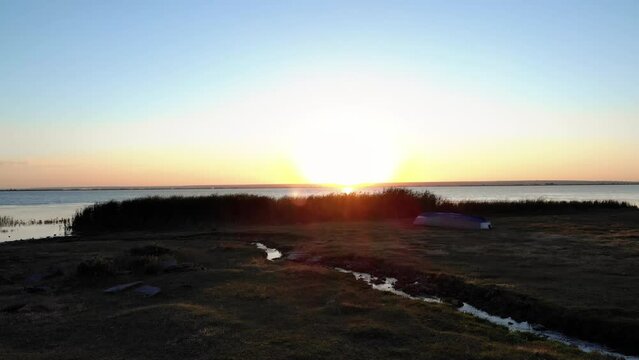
310	185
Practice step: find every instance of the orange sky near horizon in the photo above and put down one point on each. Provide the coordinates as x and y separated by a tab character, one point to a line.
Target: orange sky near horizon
554	161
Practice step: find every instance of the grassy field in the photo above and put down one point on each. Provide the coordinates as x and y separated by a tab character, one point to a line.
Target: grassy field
576	273
224	300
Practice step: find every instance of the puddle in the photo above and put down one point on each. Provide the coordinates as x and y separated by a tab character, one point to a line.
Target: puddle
271	254
387	285
514	325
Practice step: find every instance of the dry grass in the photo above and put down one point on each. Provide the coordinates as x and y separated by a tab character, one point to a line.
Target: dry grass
237	305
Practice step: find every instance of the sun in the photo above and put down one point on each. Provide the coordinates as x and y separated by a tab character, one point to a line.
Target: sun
347	189
345	156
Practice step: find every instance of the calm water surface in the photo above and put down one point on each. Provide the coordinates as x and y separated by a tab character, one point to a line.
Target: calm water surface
42	205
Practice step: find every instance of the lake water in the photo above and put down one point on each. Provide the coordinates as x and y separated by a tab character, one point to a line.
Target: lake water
43	205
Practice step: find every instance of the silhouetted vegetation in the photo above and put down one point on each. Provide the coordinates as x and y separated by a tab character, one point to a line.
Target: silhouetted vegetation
6	221
150	250
10	221
96	268
394	203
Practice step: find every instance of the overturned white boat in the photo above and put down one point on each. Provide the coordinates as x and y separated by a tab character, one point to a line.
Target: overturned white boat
452	220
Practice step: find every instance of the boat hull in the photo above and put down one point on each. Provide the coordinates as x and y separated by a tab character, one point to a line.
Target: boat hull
453	221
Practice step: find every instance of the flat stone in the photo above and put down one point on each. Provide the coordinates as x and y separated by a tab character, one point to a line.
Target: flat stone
122	287
13	307
148	290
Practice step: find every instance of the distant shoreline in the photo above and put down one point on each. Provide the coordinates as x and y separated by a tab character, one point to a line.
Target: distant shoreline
312	186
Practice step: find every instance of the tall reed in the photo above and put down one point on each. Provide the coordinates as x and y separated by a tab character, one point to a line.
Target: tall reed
394	203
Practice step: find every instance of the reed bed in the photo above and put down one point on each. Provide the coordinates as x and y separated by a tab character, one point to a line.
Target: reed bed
8	221
152	213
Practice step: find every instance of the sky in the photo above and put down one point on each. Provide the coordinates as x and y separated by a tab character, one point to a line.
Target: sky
153	93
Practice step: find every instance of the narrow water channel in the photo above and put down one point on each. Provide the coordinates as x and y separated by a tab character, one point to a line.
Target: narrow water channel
271	254
388	285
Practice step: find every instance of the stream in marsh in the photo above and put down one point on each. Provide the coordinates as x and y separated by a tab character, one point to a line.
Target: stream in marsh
388	285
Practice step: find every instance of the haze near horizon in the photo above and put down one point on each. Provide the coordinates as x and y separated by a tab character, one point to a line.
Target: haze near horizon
153	93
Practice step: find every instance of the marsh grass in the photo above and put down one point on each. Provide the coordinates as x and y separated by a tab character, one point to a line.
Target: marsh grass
150	250
148	264
7	221
96	268
394	203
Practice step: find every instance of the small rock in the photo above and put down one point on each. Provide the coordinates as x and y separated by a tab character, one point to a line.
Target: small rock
53	272
296	255
148	290
13	307
34	278
122	287
168	264
179	268
150	250
37	289
38	308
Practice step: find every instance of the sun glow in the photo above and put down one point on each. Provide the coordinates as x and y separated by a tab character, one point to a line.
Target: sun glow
346	157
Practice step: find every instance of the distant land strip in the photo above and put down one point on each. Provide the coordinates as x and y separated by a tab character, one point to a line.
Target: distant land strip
389	184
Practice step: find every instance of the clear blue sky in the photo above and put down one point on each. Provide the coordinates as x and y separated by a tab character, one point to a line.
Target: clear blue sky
74	66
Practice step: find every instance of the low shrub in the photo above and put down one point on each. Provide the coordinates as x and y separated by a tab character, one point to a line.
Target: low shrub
96	268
